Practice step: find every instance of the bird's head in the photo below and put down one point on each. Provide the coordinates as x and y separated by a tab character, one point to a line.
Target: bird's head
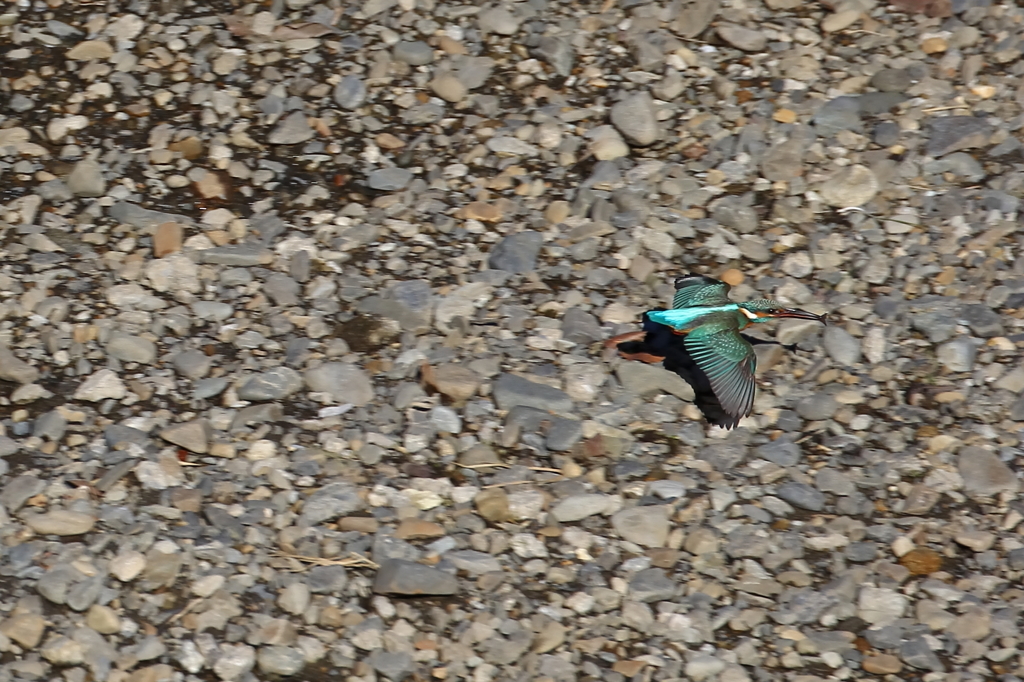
765	309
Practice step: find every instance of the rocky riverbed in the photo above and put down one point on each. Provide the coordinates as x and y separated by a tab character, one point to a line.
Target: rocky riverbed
301	310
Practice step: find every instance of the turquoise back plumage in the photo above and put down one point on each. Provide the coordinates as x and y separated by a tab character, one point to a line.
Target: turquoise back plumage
693	319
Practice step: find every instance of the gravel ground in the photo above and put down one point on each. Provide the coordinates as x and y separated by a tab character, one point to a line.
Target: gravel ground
301	310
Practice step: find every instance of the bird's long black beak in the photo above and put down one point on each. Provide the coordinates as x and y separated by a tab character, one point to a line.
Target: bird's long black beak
798	314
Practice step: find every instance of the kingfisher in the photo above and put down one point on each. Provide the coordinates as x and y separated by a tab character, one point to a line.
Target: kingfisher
700	338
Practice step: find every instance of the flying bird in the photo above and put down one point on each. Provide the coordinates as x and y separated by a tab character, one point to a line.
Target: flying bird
700	339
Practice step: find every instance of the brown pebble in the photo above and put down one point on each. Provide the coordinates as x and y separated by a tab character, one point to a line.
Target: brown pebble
883	664
418	528
212	186
451	46
389	141
785	116
167	239
557	211
190	147
732	277
186	499
921	561
493	505
664	557
481	210
628	668
360	524
455	381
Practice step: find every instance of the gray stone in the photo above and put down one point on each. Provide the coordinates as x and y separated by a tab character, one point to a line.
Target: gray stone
473	562
783	452
841	113
350	92
647	526
208	388
398	576
293	129
892	80
127	348
703	666
18	490
817	407
412	52
563	434
193	435
958	355
861	552
389	179
101	385
13	368
802	495
449	87
886	133
330	502
274	384
984	473
783	161
394	665
498	20
742	38
841	345
144	218
875	103
517	252
61	522
282	289
834	481
327	579
386	547
852	186
557	52
294	599
982	320
511	390
578	507
636	118
953	133
240	255
344	382
8	446
885	637
650	585
918	654
280	660
54	585
579	326
192	364
645	379
51	426
86	179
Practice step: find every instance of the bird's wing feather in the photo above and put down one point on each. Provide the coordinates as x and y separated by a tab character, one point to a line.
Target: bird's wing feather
700	290
729	362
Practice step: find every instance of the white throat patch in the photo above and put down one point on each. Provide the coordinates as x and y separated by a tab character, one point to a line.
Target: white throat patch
750	315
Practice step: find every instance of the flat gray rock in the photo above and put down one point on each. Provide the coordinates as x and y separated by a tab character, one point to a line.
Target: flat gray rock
636	118
274	384
389	179
984	473
401	577
511	390
645	379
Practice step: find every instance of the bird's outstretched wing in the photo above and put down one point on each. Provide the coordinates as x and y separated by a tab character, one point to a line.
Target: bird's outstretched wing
698	290
729	362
